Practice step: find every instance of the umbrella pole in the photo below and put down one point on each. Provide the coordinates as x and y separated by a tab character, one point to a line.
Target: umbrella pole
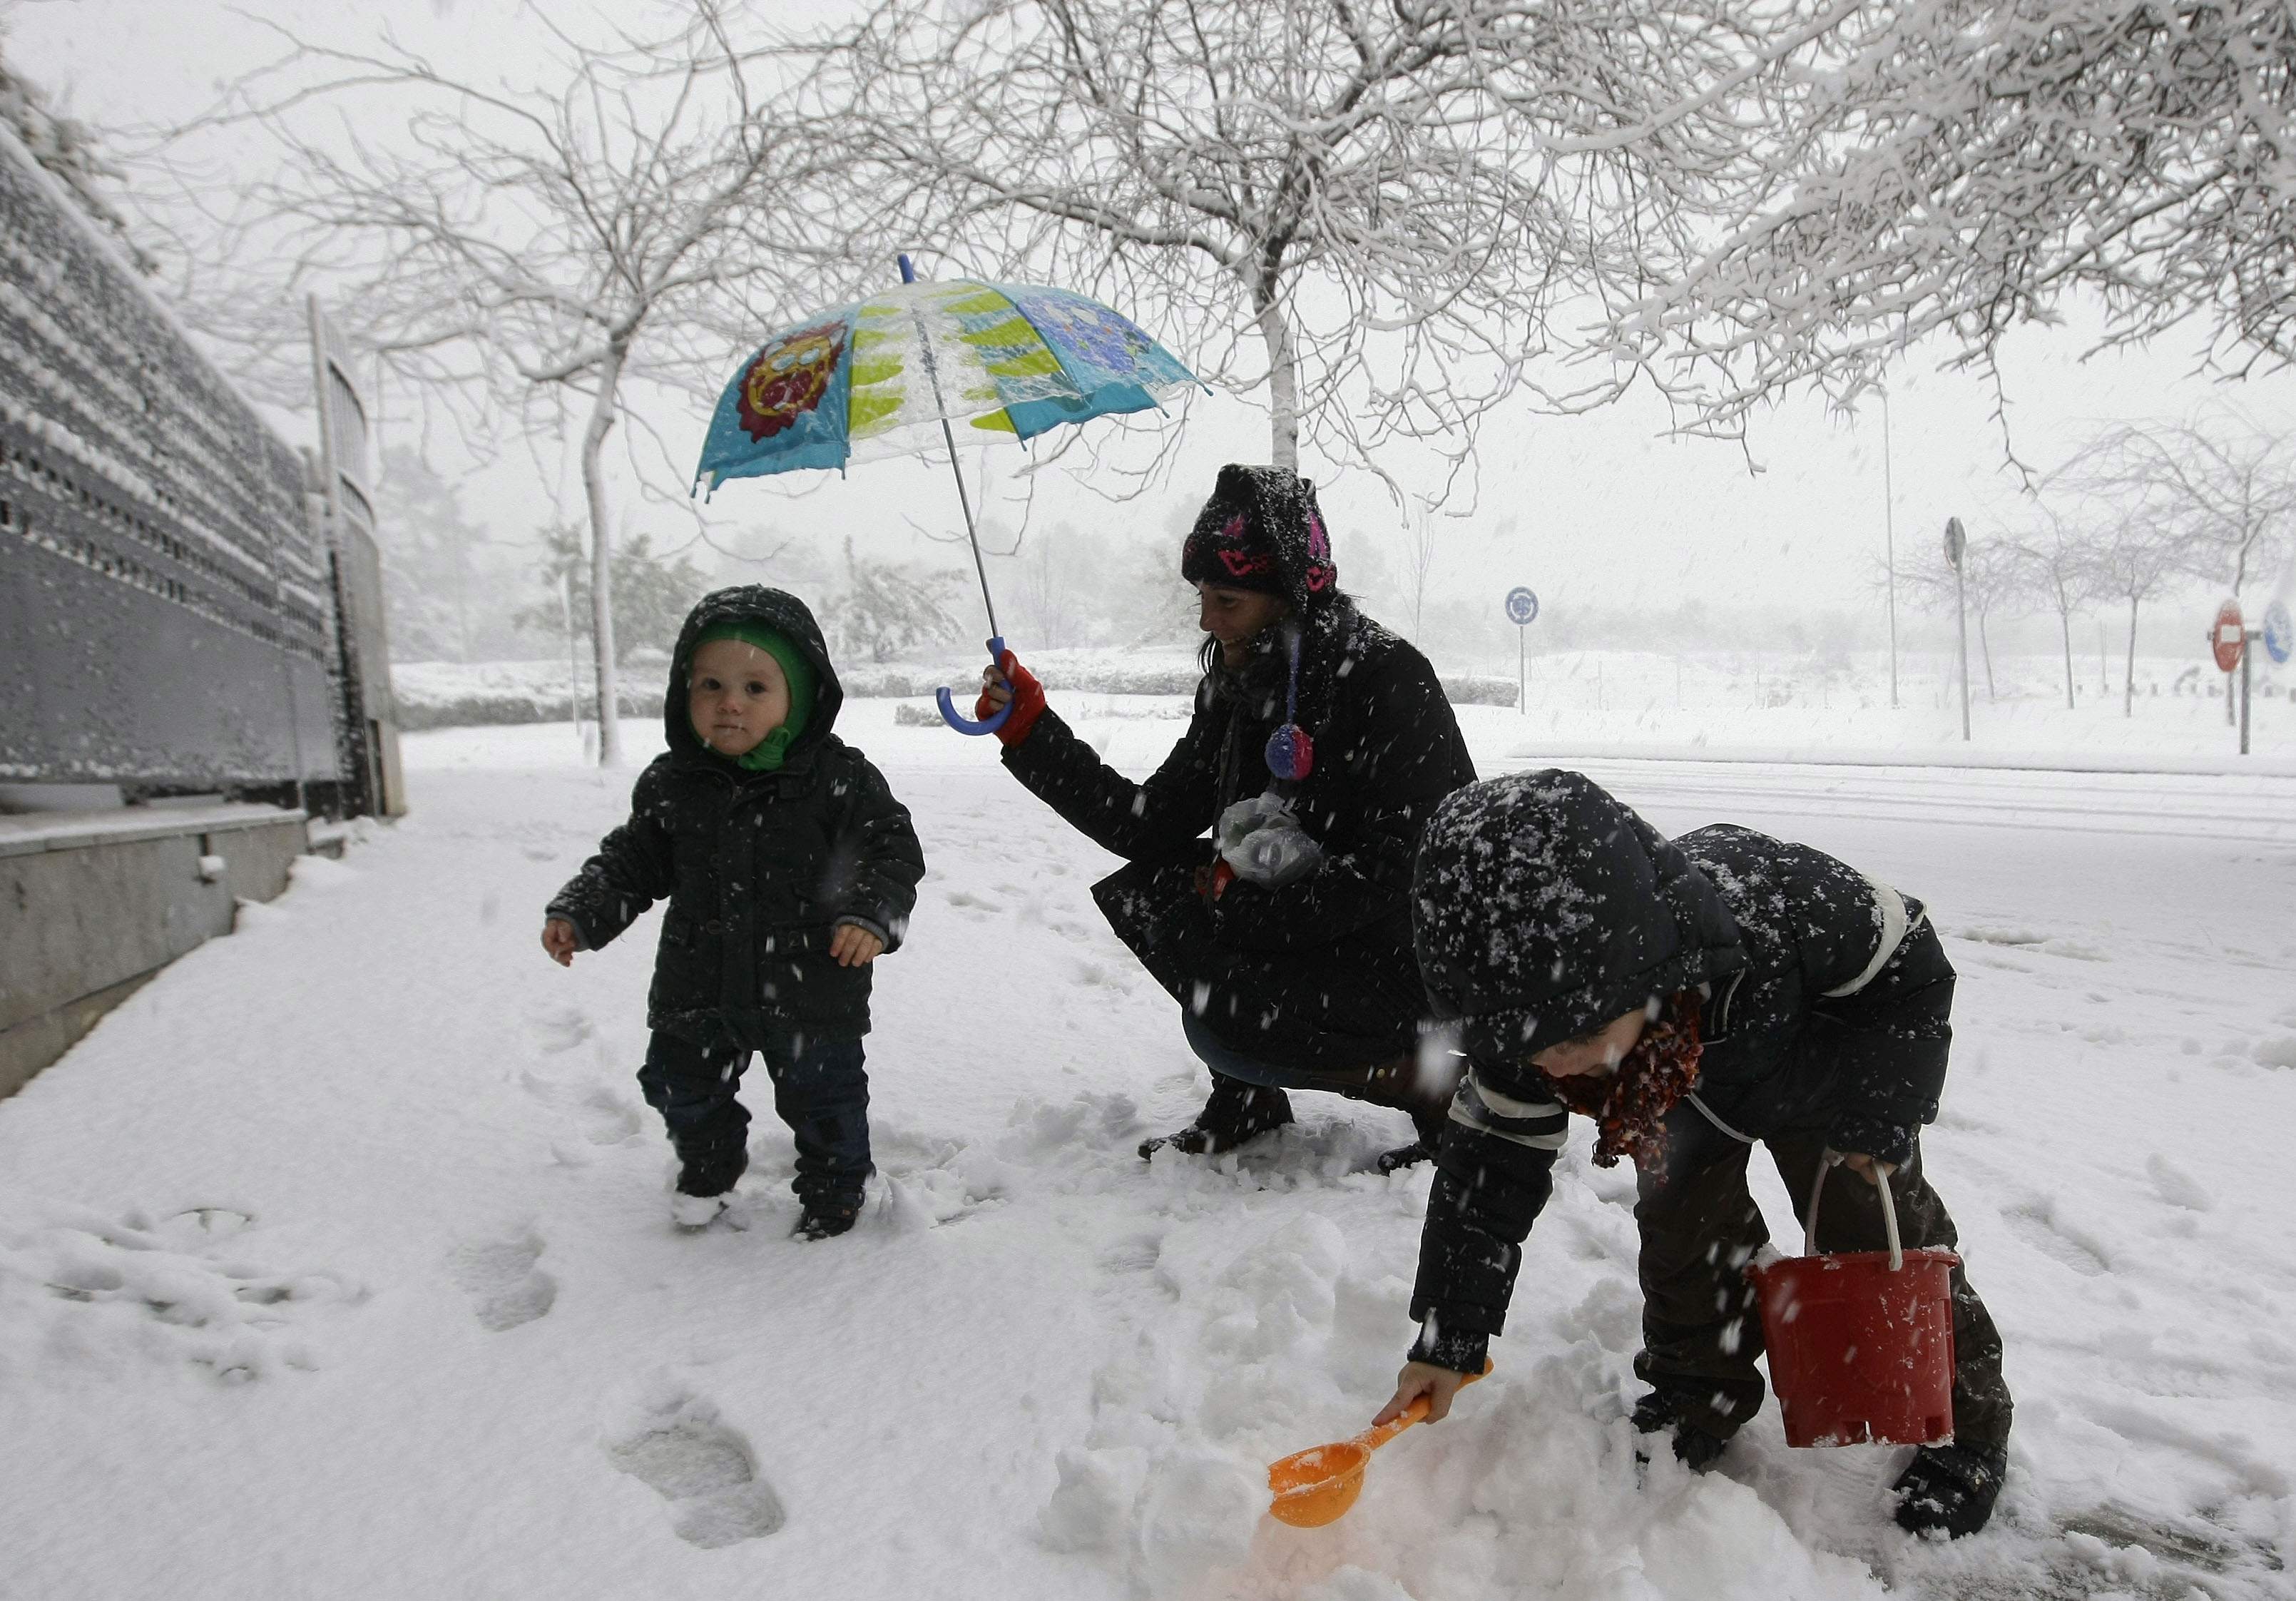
933	377
947	702
971	533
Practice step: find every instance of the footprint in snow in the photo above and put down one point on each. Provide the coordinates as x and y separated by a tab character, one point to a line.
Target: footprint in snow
1134	1253
505	1288
2035	1224
2175	1186
558	1028
2274	1053
706	1471
606	1115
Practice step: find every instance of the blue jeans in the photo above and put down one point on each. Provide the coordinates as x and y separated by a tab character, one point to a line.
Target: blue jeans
1230	1064
1397	1083
820	1090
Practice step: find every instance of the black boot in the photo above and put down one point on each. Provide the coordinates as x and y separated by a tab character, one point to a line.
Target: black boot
1400	1084
825	1219
1235	1112
1694	1448
1951	1487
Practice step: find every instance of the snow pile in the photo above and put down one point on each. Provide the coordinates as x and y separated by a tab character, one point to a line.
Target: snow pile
82	1289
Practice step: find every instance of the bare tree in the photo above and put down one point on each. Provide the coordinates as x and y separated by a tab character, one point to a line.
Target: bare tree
1398	203
1960	165
2134	560
2062	572
1994	577
886	609
1419	545
2221	500
539	248
2231	498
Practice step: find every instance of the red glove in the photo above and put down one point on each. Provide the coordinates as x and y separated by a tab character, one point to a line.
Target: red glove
1027	701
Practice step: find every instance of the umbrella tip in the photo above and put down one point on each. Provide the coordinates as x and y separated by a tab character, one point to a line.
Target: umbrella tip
908	272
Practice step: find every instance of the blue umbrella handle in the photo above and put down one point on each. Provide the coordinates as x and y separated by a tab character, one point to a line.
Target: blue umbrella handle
963	723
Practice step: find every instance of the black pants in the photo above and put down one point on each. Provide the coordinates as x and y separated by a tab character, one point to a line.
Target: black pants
1702	1325
820	1090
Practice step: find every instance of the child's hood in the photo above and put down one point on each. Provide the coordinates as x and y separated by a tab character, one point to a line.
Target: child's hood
778	610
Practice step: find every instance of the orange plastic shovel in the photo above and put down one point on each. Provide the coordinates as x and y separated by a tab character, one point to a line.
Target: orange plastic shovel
1316	1486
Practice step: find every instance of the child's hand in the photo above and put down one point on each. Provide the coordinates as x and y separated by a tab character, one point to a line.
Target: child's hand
854	946
1437	1384
560	939
1867	1168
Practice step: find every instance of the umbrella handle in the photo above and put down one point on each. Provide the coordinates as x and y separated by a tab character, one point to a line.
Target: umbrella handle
963	723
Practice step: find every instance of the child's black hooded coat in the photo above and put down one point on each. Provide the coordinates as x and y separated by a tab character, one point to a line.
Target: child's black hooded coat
759	867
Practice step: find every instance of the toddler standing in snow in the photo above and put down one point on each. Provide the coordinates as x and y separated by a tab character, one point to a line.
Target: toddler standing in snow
789	868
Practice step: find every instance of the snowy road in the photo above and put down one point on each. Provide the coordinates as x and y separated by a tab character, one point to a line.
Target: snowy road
2259	810
335	1264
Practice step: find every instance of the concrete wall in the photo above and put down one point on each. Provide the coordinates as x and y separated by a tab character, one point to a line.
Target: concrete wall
91	905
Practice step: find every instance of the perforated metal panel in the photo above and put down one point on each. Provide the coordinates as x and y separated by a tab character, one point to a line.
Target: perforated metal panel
165	612
367	720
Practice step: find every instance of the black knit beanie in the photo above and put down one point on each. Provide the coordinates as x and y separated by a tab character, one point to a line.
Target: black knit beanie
1262	530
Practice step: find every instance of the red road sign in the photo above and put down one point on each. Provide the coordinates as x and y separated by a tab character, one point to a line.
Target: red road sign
2227	637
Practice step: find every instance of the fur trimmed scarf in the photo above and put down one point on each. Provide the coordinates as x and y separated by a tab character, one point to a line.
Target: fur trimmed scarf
1629	1104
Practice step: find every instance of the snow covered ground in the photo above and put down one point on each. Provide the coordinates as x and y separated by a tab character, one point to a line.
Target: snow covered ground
336	1262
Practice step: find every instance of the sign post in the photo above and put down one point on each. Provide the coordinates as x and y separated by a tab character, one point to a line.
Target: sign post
1522	610
2228	638
1955	543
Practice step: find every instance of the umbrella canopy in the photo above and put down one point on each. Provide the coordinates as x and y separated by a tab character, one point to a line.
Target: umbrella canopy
880	377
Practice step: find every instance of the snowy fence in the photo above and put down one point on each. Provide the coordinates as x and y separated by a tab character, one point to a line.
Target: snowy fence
164	609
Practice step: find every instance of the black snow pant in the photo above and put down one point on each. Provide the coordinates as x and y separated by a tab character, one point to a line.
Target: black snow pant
1702	1324
820	1090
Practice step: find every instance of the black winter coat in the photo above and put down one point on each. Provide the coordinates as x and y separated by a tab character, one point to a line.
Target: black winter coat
759	867
1317	975
1826	1002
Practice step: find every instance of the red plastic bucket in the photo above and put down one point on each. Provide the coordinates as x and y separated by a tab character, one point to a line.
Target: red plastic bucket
1860	1342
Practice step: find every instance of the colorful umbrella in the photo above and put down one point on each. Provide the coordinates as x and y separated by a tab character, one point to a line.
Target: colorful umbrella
892	375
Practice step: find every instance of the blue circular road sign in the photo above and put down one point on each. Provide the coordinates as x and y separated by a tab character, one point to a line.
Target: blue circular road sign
1522	607
2279	632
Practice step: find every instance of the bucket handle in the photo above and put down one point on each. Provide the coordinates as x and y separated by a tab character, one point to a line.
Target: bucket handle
1833	1159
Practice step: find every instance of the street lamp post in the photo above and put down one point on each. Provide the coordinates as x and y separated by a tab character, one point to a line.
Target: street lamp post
1889	545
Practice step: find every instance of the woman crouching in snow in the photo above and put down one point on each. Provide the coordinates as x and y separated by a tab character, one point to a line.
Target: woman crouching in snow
1692	997
1287	939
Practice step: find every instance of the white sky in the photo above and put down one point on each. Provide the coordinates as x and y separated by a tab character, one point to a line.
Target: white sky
1600	512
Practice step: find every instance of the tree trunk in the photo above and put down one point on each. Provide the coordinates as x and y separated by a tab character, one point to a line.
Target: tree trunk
2128	700
1985	649
602	557
2065	621
1282	378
